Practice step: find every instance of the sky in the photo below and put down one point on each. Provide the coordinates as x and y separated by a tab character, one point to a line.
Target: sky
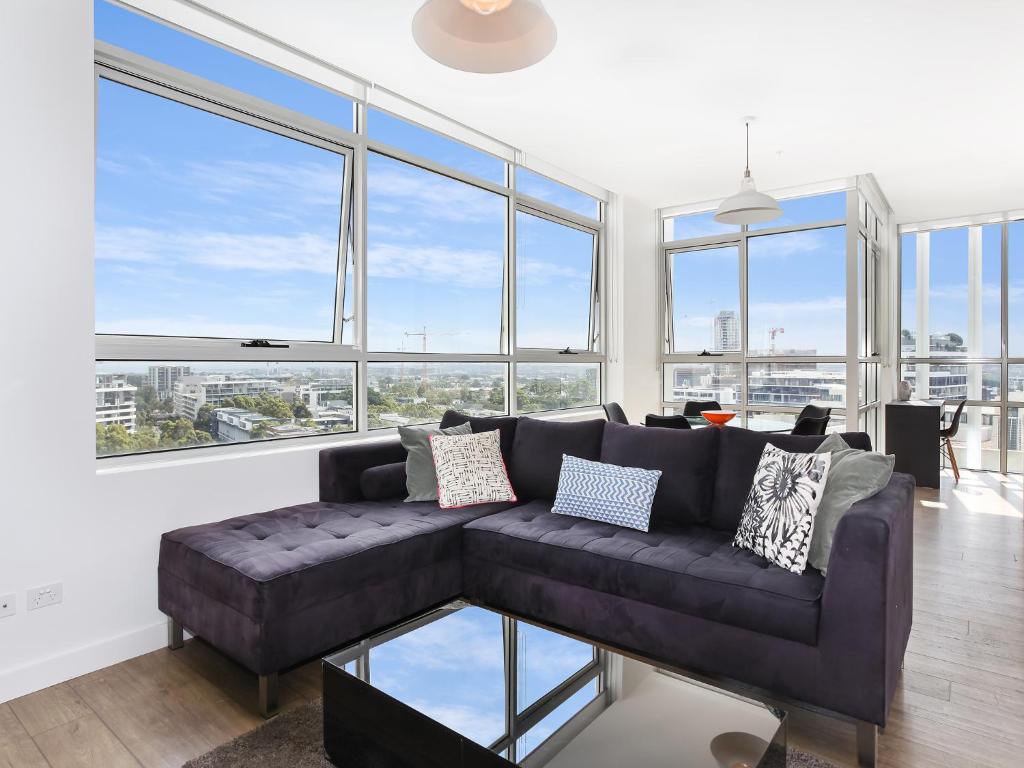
453	670
796	281
206	226
948	285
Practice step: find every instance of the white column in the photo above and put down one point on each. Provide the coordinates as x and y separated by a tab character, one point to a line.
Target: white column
923	240
973	427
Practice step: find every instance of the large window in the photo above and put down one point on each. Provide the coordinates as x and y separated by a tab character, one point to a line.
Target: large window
705	285
210	226
554	283
160	405
435	261
413	392
275	259
556	386
953	340
757	318
797	293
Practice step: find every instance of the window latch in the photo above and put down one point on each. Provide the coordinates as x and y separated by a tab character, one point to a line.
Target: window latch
568	351
705	353
263	344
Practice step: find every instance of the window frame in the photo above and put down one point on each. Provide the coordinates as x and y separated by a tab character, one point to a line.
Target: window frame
137	71
858	191
1003	404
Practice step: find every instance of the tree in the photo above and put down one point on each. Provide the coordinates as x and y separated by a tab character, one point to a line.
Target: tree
301	411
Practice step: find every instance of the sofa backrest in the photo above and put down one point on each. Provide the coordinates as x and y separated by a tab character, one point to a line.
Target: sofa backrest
739	451
687	459
538	448
506	426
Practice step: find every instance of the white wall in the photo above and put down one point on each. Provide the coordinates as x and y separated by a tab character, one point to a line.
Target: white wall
98	532
634	378
60	520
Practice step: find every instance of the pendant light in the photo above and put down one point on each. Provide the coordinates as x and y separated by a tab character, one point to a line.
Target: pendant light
748	206
485	36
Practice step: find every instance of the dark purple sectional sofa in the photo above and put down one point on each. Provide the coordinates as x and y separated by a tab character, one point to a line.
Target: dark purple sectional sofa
275	589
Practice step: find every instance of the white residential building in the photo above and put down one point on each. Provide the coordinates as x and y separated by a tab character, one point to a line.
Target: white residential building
162	378
115	401
193	392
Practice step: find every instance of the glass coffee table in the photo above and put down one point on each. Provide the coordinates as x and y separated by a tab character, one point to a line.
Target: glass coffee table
467	687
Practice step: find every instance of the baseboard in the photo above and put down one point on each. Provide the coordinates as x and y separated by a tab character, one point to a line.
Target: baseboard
60	667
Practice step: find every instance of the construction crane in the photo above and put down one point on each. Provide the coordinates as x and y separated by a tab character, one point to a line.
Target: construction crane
424	335
772	333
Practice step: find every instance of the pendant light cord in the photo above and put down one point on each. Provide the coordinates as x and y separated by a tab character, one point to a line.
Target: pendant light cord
746	171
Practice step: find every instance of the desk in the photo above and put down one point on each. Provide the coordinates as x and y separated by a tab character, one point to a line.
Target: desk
912	434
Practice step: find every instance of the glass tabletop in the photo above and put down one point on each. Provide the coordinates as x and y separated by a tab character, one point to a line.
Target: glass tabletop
756	424
526	695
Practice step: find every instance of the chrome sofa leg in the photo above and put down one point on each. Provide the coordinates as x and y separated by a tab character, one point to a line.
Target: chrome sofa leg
867	744
175	635
268	695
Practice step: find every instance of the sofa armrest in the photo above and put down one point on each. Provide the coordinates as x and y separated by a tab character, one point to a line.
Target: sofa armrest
341	467
866	607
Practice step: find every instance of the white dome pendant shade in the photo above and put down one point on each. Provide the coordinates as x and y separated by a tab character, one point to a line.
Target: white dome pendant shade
748	206
485	36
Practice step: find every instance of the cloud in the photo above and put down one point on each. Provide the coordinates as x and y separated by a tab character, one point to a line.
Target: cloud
301	184
395	188
482	726
791	244
302	252
456	642
468	268
811	306
535	272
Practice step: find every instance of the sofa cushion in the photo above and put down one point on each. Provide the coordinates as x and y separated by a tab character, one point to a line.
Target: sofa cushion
506	426
386	481
275	563
694	570
739	451
687	459
538	448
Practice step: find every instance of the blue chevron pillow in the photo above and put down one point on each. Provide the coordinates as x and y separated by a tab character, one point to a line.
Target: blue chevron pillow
606	492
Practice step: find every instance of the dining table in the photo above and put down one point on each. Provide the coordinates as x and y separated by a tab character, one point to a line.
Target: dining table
756	423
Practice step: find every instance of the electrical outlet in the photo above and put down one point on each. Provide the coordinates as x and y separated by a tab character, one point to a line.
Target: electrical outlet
7	605
40	597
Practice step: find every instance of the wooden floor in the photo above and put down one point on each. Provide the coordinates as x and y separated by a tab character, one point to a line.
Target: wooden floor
960	703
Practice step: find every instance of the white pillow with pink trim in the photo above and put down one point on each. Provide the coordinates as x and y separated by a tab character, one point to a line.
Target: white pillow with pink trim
470	470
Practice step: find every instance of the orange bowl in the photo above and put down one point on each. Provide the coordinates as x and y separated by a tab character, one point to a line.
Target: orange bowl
718	417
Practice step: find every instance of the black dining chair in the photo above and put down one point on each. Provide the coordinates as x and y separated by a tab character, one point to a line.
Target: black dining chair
614	412
694	407
814	412
810	425
946	434
671	422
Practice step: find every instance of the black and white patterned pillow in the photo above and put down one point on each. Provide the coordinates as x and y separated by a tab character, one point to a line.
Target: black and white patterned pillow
778	516
470	470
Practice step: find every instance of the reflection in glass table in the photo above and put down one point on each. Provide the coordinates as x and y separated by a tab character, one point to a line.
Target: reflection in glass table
466	687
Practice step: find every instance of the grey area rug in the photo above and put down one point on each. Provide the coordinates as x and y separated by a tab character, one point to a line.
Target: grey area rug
295	740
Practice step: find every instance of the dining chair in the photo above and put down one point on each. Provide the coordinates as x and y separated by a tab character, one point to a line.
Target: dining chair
810	425
614	412
694	407
814	411
671	422
946	434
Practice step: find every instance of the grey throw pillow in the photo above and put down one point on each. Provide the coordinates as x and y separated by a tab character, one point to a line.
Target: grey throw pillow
853	476
420	475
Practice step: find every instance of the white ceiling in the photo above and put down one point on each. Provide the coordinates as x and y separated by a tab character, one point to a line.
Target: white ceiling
645	97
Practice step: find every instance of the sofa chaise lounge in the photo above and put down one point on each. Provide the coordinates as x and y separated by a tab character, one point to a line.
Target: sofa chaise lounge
275	589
